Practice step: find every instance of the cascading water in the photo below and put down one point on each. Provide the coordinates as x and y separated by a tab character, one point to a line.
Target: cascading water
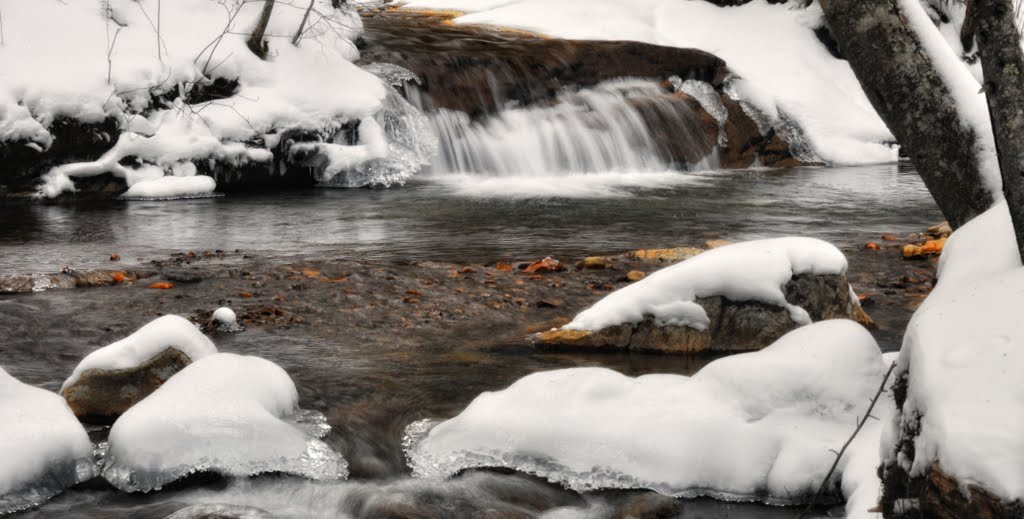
619	125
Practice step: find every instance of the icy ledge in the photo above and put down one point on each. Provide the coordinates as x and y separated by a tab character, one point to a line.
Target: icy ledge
749	271
229	414
757	426
43	448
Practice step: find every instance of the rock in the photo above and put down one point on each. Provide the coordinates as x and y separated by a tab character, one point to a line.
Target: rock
714	244
929	248
734	325
162	285
890	237
595	262
547	264
103	395
225	320
665	255
504	267
115	256
635	275
872	246
939	230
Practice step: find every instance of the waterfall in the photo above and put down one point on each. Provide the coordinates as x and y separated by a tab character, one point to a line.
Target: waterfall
619	125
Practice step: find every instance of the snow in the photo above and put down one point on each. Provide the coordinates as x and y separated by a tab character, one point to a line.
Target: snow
965	89
172	187
226	413
169	331
43	447
963	359
794	78
224	315
754	426
311	86
749	271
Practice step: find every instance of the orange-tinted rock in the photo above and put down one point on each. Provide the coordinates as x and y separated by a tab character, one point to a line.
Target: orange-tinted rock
547	264
890	237
665	255
504	267
714	244
595	262
872	246
635	275
930	248
162	285
115	256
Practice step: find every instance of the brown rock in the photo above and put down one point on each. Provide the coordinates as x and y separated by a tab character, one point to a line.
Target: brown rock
890	237
665	255
595	262
613	337
635	275
941	229
872	246
547	264
714	244
162	285
103	395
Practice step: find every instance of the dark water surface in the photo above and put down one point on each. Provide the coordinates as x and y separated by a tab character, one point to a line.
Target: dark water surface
370	391
478	219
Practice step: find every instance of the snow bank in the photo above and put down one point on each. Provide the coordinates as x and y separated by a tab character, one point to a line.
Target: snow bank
750	271
151	67
225	413
755	426
43	448
169	331
963	359
792	79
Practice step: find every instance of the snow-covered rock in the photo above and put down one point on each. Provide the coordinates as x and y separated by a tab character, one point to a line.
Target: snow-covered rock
225	413
739	296
43	448
111	379
754	426
959	421
181	86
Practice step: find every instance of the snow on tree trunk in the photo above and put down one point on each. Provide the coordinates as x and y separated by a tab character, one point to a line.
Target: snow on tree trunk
1002	61
913	96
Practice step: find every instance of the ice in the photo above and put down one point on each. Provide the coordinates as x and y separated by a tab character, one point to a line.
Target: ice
963	359
749	271
794	77
230	414
43	448
393	75
755	426
169	331
399	141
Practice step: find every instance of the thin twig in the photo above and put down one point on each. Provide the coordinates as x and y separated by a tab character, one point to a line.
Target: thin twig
2	41
839	455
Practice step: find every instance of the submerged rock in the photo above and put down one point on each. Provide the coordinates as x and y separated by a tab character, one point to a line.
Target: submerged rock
220	511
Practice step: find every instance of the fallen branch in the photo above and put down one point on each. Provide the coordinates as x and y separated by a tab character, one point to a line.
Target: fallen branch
839	455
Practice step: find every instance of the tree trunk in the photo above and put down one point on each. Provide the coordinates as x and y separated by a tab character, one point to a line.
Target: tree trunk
256	42
967	30
906	90
1002	61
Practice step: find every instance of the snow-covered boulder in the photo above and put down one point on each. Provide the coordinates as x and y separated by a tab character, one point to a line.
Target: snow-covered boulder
753	426
229	414
111	379
737	297
142	90
43	448
954	446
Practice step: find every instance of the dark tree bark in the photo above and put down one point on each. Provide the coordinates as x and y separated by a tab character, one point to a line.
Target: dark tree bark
256	41
967	30
1002	61
907	92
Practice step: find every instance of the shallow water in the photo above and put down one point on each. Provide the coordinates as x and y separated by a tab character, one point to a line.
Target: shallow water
478	218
